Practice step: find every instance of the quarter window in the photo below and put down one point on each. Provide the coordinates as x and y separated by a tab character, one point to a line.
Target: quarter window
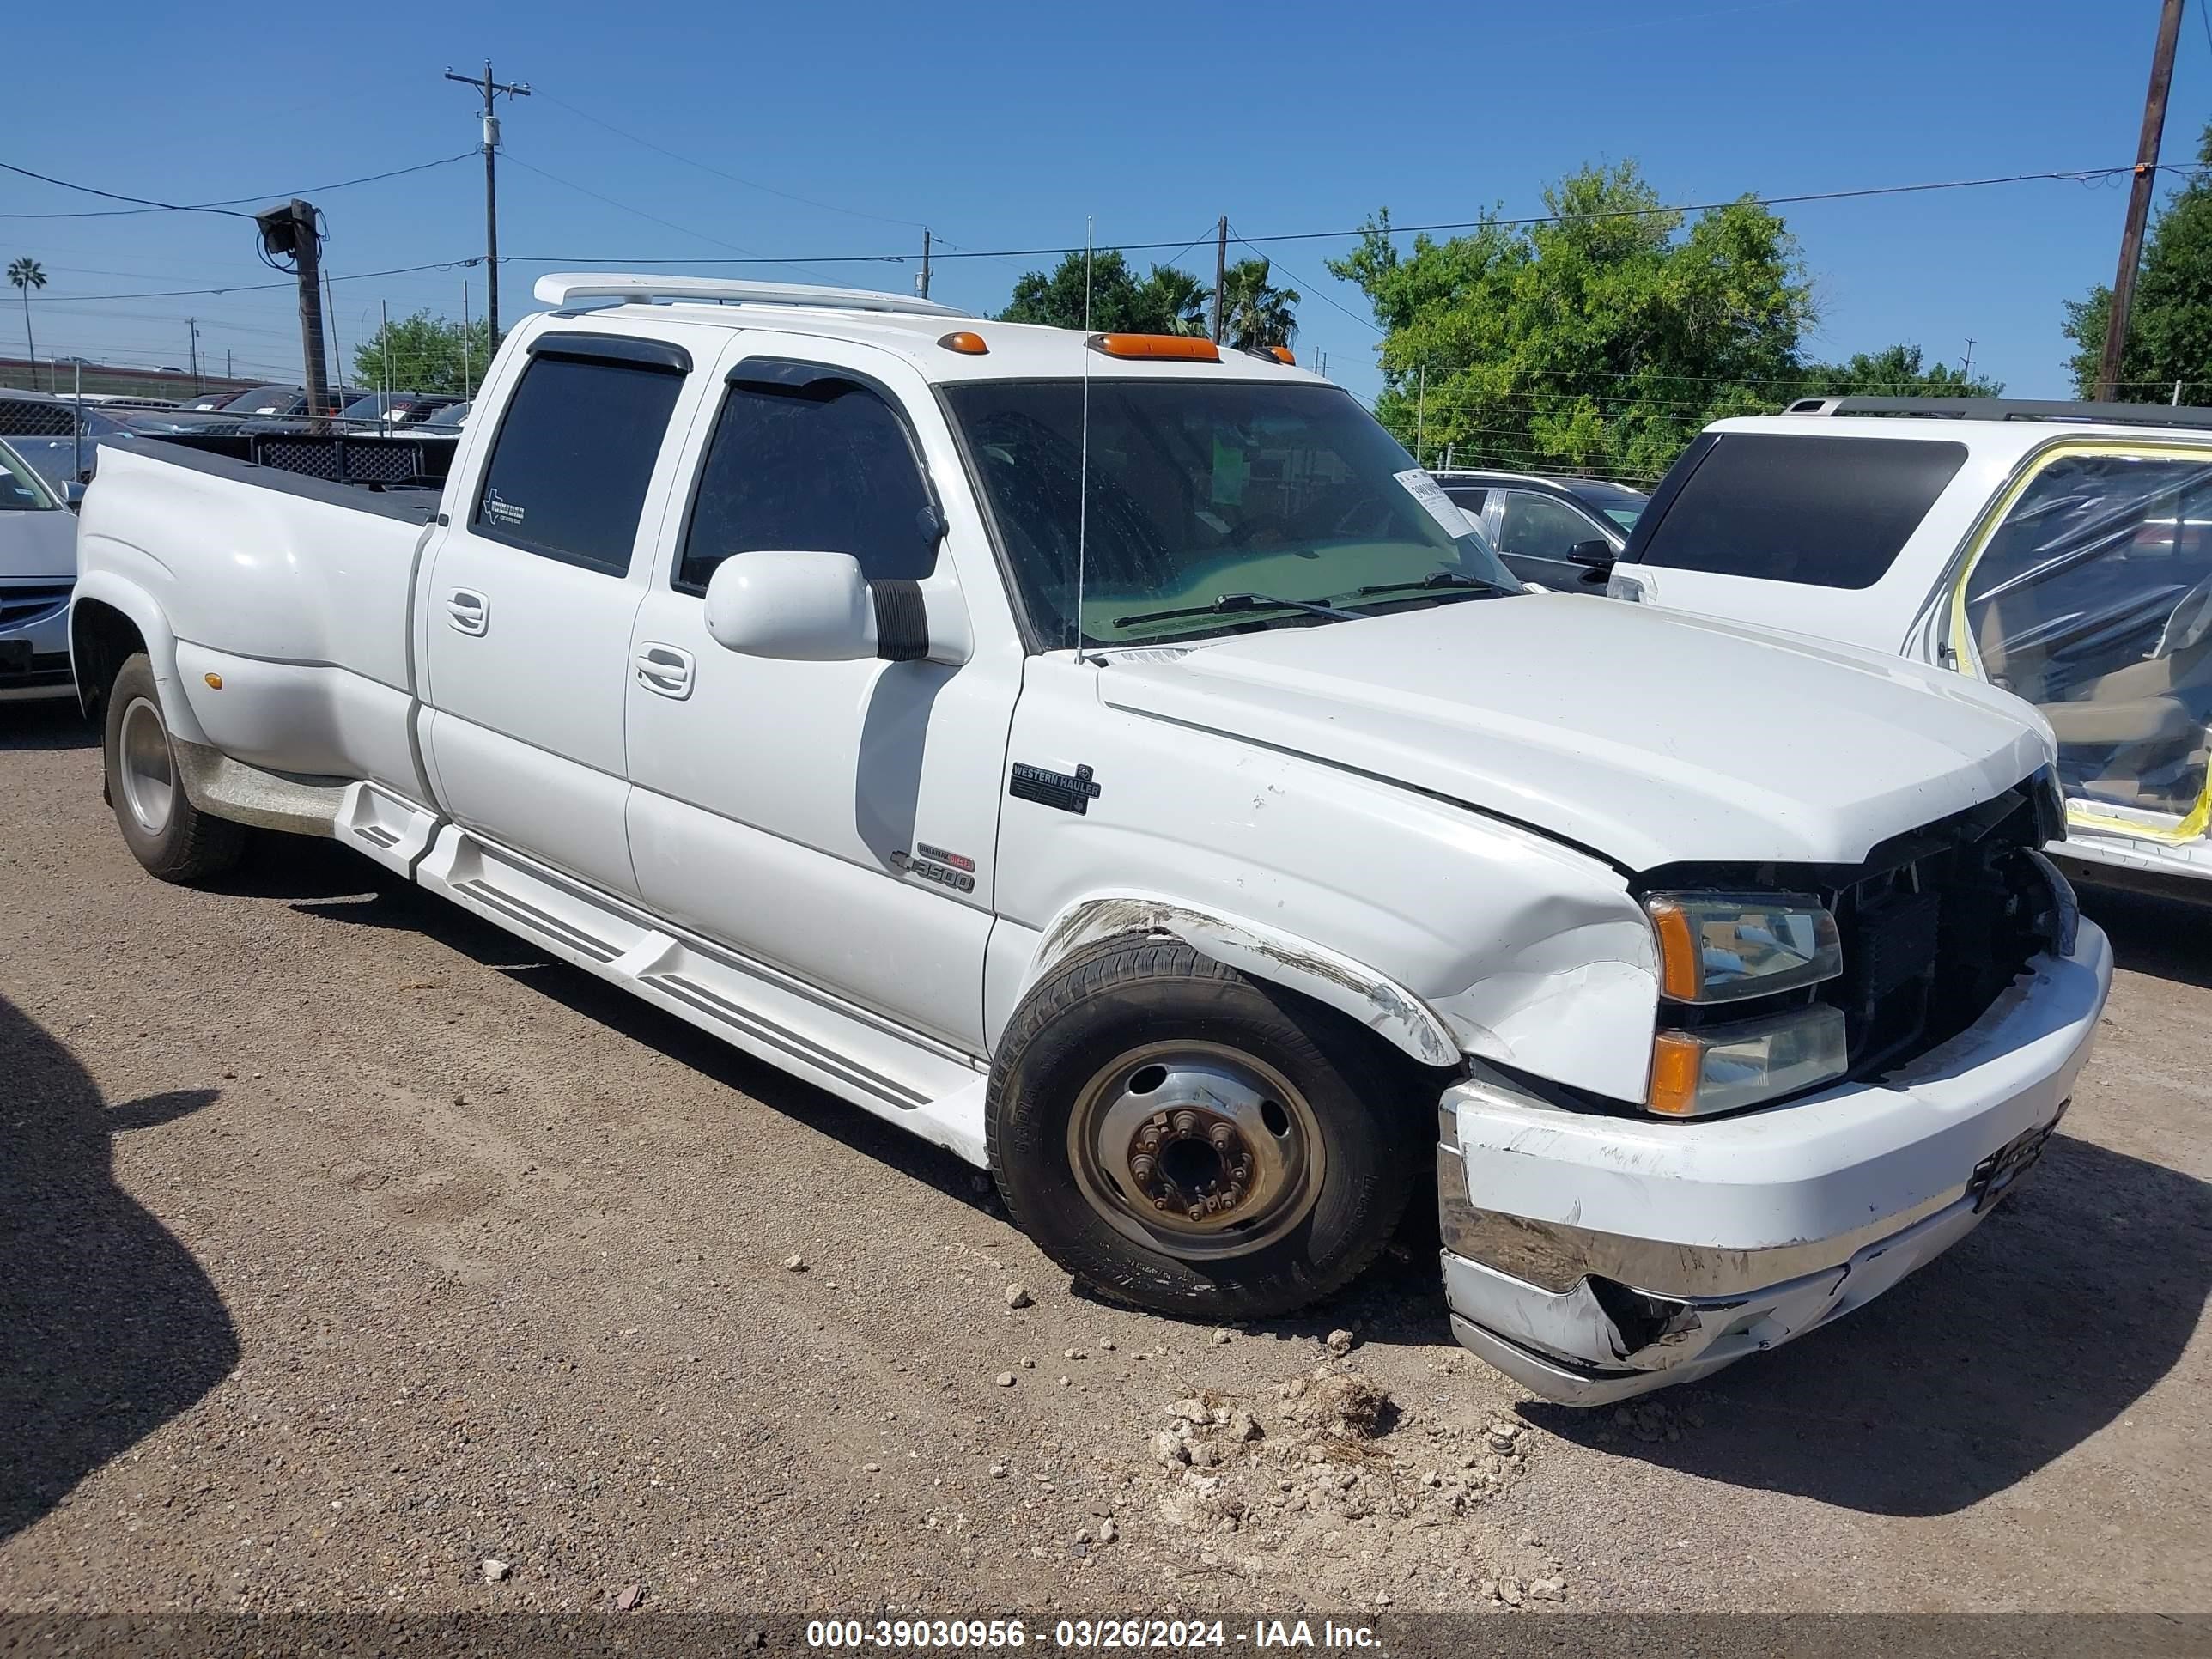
574	458
817	464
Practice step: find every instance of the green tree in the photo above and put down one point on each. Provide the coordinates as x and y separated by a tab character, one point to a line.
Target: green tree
25	274
427	354
1165	300
1599	342
2169	322
1895	371
1254	313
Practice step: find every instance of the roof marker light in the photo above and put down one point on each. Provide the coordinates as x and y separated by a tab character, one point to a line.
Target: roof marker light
965	341
1158	348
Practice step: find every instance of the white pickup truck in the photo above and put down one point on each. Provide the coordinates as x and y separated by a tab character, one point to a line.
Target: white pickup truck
2062	551
1110	757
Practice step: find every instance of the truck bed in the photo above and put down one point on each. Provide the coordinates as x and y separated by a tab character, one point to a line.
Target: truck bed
292	592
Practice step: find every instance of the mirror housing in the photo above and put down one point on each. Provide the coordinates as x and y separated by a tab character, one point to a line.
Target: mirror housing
1595	553
73	494
793	607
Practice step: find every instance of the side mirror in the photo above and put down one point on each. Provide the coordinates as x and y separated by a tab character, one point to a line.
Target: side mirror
1593	555
73	494
793	607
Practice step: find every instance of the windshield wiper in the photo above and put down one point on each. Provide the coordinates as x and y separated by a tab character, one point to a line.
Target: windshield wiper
1231	604
1436	579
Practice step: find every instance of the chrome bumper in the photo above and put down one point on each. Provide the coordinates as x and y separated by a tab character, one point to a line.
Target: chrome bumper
1593	1258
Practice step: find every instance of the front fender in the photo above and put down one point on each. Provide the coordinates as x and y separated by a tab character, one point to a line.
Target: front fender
134	602
1372	999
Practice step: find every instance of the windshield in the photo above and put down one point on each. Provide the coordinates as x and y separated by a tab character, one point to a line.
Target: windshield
22	489
1199	492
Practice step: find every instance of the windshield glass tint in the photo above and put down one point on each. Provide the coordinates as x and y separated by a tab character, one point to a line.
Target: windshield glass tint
1199	491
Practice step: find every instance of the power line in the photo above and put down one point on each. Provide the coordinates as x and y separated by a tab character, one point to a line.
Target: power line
749	184
258	287
2080	175
226	206
752	257
1306	288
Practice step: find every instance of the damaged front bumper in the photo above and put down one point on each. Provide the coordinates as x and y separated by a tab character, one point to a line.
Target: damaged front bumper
1592	1257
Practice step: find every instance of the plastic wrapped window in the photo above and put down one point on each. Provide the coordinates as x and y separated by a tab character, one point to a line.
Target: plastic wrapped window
2093	601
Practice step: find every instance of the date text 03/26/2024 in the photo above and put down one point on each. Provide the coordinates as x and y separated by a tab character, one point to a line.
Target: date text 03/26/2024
1164	1635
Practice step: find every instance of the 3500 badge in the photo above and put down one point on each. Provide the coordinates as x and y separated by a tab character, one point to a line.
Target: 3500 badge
927	863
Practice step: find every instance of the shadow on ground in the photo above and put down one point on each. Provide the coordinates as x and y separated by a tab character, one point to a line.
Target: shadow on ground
2169	937
393	902
45	724
108	1327
2058	1314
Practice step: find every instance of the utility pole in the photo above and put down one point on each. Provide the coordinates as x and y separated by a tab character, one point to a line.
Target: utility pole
921	283
491	89
1220	272
291	232
338	351
2154	129
1967	368
468	351
193	323
227	373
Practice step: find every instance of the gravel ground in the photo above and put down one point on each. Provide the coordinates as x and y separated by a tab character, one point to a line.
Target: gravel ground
353	1256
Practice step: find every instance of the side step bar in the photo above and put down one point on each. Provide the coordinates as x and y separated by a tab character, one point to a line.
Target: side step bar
394	832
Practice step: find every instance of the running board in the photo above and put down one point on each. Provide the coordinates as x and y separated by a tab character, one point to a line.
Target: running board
392	831
924	1086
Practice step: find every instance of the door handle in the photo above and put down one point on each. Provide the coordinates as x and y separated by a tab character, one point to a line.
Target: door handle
469	612
665	669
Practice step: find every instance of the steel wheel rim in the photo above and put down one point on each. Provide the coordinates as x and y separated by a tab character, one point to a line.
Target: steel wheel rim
1169	1104
149	779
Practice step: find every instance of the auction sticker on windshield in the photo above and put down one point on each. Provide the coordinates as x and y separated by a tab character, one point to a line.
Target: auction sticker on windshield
1431	494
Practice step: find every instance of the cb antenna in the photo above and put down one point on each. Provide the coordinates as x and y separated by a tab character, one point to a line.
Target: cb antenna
1083	461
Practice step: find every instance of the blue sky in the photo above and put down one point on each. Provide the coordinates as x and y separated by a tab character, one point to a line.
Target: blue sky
1004	126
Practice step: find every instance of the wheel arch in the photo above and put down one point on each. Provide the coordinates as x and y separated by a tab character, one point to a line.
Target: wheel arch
1364	995
109	619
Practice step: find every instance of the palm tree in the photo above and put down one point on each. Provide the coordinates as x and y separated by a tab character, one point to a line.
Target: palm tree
1254	313
27	274
1174	301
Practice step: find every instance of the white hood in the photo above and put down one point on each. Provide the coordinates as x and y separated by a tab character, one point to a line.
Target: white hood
38	546
1648	736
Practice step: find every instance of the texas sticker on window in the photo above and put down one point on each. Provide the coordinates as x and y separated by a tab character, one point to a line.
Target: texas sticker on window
1431	494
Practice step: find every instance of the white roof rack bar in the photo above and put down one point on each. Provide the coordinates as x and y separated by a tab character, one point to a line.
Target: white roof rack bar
562	288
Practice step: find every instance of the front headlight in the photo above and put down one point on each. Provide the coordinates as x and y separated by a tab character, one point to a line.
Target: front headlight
1719	947
1726	947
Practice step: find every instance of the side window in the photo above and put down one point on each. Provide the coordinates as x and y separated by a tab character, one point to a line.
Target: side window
823	466
1538	527
574	454
1469	501
1826	512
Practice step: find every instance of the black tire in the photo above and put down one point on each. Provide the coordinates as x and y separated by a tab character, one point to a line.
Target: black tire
176	841
1126	1000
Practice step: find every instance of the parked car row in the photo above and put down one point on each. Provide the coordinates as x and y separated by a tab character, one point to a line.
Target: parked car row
1172	803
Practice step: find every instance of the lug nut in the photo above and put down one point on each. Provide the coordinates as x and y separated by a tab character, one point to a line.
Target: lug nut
1142	1167
1223	1136
1186	1122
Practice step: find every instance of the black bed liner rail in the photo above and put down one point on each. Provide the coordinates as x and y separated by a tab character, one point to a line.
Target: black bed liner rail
374	462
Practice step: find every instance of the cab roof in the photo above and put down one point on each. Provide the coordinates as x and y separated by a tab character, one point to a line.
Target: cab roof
910	328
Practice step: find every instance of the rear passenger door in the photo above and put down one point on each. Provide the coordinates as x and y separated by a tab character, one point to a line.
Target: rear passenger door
530	597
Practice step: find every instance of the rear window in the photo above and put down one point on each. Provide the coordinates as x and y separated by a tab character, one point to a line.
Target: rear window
1824	512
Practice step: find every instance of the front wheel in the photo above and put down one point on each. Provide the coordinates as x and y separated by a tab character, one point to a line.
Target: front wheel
1180	1137
165	832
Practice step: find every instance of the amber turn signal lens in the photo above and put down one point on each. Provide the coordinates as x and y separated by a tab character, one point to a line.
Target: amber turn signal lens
1678	952
1158	348
1677	1063
1283	354
965	342
215	681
